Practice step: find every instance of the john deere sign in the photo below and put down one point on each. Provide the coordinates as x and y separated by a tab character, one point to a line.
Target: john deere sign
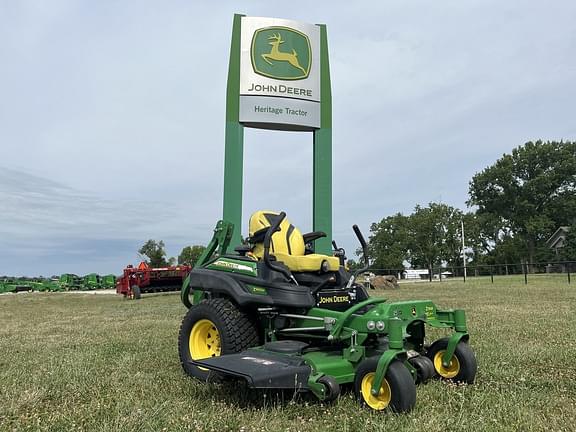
279	74
279	78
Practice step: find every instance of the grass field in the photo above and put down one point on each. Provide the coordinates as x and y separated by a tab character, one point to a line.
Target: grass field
96	362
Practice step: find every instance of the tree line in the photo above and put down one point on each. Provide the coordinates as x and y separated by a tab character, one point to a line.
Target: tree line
514	206
154	254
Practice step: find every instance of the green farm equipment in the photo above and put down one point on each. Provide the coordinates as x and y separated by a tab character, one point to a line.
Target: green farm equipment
277	315
38	285
92	281
16	285
108	281
45	285
7	286
4	287
50	285
70	282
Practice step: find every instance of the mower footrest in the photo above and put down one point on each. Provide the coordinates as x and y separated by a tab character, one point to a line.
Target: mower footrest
261	369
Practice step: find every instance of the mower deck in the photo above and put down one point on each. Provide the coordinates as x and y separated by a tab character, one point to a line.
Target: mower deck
262	369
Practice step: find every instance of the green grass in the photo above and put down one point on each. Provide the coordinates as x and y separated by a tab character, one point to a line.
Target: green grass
95	362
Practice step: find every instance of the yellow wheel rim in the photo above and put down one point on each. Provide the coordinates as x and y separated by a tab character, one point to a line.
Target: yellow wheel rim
446	372
380	401
204	340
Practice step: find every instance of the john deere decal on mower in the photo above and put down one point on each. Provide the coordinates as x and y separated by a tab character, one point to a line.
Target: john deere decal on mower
277	315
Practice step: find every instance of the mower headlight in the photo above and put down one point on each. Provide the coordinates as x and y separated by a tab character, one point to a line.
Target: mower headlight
380	325
324	266
370	325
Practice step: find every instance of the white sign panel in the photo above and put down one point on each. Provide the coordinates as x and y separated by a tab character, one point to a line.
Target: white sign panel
262	109
279	72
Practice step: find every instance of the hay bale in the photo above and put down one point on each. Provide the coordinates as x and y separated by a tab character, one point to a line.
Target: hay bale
384	282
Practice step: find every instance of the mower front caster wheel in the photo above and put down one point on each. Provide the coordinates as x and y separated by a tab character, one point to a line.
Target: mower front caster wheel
212	328
331	388
397	392
462	367
424	368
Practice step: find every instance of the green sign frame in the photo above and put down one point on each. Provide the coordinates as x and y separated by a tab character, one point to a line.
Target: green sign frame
322	143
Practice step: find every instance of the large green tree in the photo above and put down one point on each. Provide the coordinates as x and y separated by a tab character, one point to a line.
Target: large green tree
568	252
434	235
530	193
477	237
190	254
429	237
388	244
486	241
156	254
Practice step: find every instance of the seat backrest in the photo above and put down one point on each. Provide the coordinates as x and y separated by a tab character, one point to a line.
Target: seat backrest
288	240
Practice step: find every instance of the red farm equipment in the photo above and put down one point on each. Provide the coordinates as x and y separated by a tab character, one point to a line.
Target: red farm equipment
136	281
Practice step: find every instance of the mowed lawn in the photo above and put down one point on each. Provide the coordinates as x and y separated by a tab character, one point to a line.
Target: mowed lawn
97	362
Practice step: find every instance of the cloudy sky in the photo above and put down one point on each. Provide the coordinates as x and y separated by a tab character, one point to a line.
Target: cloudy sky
112	117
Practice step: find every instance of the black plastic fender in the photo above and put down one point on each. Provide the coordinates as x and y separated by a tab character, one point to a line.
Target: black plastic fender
235	287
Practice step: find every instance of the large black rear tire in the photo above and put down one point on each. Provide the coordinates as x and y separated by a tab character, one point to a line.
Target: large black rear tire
212	328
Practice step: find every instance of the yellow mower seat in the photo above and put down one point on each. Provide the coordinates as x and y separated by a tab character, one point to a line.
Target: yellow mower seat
287	245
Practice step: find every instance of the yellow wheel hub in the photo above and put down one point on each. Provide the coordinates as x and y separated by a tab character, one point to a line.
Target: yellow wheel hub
204	340
446	372
380	401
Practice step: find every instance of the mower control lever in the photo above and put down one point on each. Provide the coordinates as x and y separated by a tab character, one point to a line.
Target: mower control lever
340	253
267	240
360	239
363	243
364	252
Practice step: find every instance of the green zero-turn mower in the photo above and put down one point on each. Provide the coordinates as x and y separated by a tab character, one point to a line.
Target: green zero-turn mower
279	316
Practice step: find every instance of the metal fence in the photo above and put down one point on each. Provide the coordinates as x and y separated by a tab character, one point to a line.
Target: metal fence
564	269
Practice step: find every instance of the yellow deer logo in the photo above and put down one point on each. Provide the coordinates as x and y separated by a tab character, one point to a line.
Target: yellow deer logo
277	55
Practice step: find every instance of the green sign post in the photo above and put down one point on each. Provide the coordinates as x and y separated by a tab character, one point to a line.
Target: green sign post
279	78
